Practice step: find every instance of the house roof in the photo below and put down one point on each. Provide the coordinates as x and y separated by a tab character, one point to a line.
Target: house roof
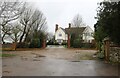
63	29
75	30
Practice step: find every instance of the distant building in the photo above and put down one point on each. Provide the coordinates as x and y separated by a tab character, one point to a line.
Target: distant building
85	33
60	35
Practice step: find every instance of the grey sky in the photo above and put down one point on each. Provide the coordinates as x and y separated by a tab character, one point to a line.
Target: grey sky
61	12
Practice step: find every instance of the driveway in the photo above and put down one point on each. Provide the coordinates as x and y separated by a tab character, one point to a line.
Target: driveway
56	61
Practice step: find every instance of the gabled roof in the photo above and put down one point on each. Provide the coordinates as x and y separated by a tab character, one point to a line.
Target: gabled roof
75	30
62	29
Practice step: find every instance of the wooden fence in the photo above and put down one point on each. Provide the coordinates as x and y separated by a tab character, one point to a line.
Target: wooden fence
9	46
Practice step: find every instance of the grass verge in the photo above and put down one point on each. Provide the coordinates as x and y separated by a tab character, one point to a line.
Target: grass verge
7	55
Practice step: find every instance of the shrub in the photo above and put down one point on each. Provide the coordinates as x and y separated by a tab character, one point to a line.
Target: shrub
35	43
56	43
51	42
100	55
22	45
77	43
64	43
88	45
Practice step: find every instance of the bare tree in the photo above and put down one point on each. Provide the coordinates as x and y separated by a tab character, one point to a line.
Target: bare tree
25	21
5	30
15	32
29	21
32	21
50	36
40	26
41	23
77	21
9	12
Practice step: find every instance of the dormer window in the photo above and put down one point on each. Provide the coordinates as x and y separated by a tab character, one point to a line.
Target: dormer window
60	35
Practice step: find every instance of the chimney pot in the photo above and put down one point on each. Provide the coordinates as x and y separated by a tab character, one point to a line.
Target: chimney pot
69	25
56	27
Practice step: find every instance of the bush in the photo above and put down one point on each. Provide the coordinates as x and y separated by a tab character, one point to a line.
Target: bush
35	43
88	45
51	42
100	55
23	45
56	43
77	43
64	43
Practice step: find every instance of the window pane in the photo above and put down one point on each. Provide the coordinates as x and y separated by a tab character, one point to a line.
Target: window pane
60	34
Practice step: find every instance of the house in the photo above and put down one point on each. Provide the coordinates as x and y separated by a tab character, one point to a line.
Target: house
84	33
60	35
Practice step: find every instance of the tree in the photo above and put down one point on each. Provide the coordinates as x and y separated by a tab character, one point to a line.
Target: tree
108	16
25	21
32	22
77	21
37	39
49	35
15	32
21	23
39	28
9	12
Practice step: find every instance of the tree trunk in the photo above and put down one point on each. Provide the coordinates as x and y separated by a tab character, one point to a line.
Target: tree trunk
26	36
3	38
21	38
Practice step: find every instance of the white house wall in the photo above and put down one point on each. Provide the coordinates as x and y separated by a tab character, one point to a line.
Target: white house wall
88	34
60	31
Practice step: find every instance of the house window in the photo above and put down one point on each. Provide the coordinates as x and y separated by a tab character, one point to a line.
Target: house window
60	35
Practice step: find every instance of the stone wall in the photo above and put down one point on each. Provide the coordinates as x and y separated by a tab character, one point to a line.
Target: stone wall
114	55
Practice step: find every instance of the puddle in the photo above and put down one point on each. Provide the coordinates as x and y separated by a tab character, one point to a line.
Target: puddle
36	60
6	71
24	58
37	56
4	65
75	61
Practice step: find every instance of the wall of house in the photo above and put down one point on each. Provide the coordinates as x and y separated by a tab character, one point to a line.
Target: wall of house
88	34
60	31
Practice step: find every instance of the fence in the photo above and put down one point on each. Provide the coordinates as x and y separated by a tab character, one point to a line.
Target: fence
9	46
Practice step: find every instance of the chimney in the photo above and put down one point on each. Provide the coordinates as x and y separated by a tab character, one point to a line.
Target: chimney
56	27
69	25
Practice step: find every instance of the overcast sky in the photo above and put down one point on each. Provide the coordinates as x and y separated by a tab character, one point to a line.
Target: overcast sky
61	12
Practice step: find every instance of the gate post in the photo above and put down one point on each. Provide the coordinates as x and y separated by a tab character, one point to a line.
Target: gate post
68	42
14	45
107	48
44	43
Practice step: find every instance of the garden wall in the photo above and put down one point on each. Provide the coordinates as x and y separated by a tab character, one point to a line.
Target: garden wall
114	54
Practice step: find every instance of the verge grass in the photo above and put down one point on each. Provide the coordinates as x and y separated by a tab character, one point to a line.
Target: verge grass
7	55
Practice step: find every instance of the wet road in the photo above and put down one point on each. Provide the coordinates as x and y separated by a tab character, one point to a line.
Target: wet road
53	62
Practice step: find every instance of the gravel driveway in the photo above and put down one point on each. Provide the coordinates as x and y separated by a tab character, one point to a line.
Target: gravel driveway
56	61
